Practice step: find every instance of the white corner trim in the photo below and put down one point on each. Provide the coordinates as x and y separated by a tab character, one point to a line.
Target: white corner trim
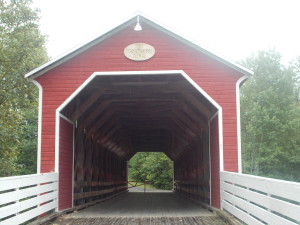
39	138
238	121
221	149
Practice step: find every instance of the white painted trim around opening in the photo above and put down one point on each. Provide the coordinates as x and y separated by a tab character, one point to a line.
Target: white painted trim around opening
73	163
57	133
57	129
39	138
209	158
238	121
220	127
132	73
57	142
219	113
159	72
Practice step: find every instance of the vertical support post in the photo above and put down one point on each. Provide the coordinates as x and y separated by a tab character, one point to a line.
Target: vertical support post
269	196
16	189
299	220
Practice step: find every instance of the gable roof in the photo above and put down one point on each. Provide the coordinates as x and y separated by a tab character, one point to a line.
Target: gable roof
143	19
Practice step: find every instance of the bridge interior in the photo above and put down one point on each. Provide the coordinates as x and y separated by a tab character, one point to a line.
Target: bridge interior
144	208
117	116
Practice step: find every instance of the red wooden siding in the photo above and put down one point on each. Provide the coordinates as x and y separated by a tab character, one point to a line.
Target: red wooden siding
215	78
65	164
215	163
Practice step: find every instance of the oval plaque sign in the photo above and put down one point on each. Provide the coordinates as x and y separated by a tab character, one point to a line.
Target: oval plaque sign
139	51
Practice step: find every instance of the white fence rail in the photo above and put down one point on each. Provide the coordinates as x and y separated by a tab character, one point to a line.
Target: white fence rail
23	198
259	200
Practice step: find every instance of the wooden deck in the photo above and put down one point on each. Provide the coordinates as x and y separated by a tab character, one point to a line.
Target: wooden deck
200	220
139	208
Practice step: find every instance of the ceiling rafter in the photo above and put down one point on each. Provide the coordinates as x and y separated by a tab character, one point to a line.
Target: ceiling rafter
141	113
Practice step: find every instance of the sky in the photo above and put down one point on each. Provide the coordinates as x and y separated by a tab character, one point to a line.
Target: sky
232	28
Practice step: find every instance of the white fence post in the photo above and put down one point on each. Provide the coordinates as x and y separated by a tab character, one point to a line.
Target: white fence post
260	200
23	198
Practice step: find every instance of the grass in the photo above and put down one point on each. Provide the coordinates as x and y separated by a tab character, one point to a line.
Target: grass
141	185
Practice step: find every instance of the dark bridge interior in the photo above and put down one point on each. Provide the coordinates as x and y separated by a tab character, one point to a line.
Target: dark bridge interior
117	116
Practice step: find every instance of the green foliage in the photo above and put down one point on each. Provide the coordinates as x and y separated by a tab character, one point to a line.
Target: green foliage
270	119
21	50
27	158
155	167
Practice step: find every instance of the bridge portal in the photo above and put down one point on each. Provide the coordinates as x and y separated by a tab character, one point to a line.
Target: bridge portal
130	91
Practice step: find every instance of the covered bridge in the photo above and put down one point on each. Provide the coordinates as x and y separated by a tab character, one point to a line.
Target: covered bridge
138	88
141	87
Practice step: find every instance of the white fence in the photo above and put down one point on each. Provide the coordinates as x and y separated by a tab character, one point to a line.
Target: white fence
25	197
259	200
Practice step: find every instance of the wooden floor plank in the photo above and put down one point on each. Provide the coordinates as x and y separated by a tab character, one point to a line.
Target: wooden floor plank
211	220
139	209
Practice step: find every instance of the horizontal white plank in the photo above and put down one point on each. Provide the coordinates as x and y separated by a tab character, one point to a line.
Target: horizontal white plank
7	183
260	213
27	192
246	218
279	206
284	189
23	217
21	206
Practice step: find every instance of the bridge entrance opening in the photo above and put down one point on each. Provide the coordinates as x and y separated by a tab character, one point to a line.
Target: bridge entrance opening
150	171
112	116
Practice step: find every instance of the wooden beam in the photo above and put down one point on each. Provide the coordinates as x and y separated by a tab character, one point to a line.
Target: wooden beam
194	101
86	104
93	128
88	120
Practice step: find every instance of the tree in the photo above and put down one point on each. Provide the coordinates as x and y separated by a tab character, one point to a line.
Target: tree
27	158
295	65
155	167
22	48
270	119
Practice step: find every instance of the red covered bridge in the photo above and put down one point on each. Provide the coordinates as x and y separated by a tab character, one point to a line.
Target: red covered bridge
144	88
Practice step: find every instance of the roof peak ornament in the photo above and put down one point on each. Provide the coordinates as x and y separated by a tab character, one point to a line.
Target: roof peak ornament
138	26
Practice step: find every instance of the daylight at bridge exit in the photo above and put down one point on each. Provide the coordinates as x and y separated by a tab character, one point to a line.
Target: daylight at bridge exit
142	125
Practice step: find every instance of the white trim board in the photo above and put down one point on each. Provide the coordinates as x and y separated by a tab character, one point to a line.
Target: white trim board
57	143
39	138
238	120
143	19
142	73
